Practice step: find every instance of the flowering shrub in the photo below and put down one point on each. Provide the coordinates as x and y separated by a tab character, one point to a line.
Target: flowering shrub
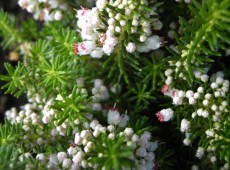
111	84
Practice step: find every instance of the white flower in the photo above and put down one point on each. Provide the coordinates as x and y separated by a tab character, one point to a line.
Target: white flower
124	120
205	114
143	38
123	23
128	131
143	49
67	163
209	133
185	125
97	107
144	138
77	139
58	15
205	102
165	115
85	47
118	29
187	141
72	150
53	161
114	117
141	152
100	4
189	94
191	100
111	21
177	100
200	152
111	136
31	8
84	134
208	96
41	157
131	47
181	93
196	95
153	42
152	146
204	77
213	159
61	156
200	89
108	49
135	138
214	85
135	22
78	157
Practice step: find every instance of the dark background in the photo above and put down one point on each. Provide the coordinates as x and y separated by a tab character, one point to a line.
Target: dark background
8	101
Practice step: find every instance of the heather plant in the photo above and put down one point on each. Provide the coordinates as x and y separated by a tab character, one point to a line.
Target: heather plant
106	80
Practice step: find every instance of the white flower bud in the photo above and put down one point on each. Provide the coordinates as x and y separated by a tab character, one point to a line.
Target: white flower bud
61	156
204	77
200	152
111	21
67	163
143	38
200	89
185	125
191	100
189	94
205	114
214	85
135	23
122	22
219	80
135	138
41	157
131	47
217	94
181	94
205	102
128	131
194	115
187	141
58	15
208	96
127	11
118	16
111	136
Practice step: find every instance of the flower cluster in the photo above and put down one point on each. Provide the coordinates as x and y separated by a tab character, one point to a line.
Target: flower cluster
86	144
40	124
117	19
165	115
44	10
207	102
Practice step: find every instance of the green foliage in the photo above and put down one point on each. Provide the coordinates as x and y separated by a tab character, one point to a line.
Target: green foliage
205	34
16	79
9	133
50	69
54	73
165	158
8	31
9	158
139	125
114	153
73	106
